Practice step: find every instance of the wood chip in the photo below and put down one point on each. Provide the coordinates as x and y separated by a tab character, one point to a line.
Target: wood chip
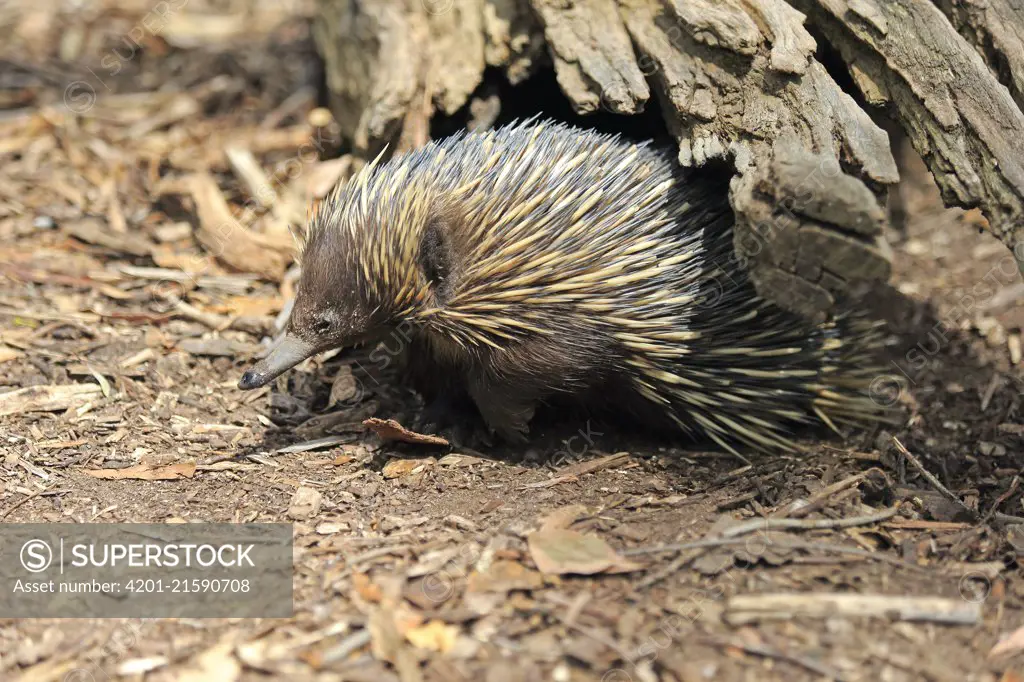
1008	644
172	232
144	355
7	354
244	165
223	237
47	398
750	608
399	467
325	175
217	664
139	666
93	231
218	347
305	503
315	444
503	576
574	471
147	472
435	635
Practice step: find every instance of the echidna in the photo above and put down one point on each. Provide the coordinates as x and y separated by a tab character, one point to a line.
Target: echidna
539	260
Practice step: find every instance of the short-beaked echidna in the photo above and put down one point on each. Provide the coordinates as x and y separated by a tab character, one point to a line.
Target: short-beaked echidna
539	260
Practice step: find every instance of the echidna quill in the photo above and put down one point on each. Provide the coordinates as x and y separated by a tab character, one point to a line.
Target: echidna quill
539	260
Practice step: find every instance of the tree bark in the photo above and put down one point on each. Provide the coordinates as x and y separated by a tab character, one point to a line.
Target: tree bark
736	81
996	29
961	120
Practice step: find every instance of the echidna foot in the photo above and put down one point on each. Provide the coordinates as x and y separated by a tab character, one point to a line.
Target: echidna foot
508	418
454	418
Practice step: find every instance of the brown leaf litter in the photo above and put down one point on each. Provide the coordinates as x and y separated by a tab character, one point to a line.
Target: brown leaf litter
148	251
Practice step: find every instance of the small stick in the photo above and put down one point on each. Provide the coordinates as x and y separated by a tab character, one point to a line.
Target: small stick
818	499
999	500
677	565
23	500
749	608
928	476
574	471
780	524
990	391
783	544
730	536
357	640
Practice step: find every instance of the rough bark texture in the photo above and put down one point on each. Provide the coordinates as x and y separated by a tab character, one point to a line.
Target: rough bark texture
736	81
962	121
996	29
757	98
593	58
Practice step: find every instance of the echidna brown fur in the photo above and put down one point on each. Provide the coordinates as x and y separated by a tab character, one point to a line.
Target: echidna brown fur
540	260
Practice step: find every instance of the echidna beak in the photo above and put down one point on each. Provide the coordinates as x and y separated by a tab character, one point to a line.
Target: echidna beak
289	352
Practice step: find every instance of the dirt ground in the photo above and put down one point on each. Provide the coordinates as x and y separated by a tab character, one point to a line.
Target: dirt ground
415	562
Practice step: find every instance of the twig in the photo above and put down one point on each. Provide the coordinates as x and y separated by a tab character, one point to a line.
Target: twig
818	499
357	640
990	391
930	477
23	500
780	524
574	471
999	500
730	536
782	544
768	652
677	565
749	608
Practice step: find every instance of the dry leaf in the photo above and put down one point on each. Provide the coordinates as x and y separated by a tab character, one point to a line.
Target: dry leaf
565	551
389	429
148	472
434	636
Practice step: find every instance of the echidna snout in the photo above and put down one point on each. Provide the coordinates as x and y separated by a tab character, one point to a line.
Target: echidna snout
326	314
538	261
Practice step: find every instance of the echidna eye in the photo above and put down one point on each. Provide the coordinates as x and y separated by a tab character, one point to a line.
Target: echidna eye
321	326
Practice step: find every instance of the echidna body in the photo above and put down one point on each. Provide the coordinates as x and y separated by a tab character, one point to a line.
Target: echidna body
540	260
